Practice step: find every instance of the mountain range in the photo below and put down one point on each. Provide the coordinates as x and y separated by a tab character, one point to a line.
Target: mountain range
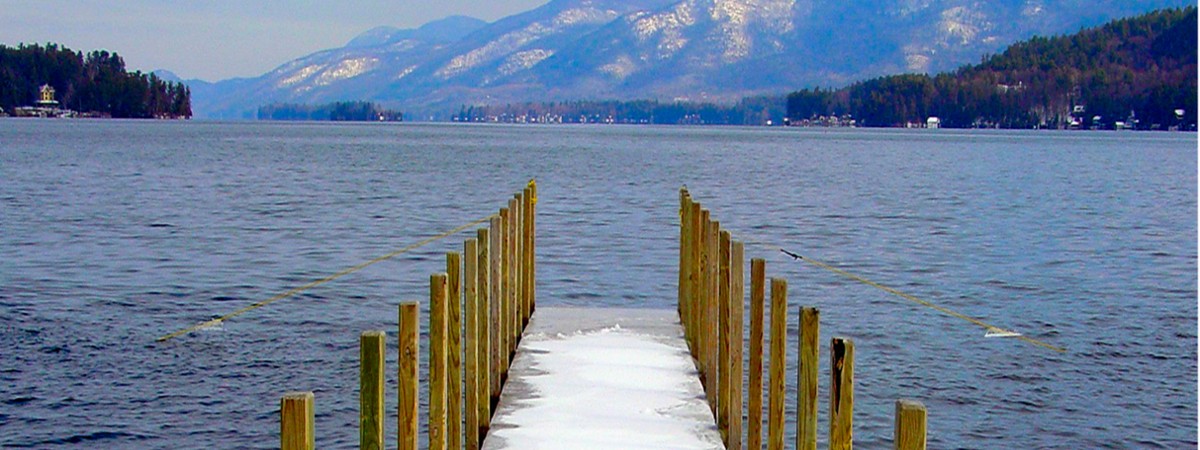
693	50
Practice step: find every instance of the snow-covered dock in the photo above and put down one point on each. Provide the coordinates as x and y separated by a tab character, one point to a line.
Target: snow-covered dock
587	378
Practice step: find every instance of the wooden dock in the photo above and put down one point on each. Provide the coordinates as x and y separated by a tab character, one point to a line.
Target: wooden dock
593	378
504	373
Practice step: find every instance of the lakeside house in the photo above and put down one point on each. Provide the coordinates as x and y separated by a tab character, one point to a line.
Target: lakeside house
47	106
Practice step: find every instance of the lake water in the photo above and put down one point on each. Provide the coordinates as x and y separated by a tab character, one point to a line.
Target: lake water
113	233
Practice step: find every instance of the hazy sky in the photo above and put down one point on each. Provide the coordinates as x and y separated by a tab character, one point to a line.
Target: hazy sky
218	39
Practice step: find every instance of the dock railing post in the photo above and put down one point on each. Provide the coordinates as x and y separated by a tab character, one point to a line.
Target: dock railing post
483	362
778	363
406	392
754	408
437	361
684	206
701	304
910	425
454	366
725	341
532	246
841	394
296	421
737	287
806	379
712	315
370	394
514	297
527	255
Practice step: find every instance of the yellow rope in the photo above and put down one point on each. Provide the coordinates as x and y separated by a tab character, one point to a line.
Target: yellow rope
919	301
319	282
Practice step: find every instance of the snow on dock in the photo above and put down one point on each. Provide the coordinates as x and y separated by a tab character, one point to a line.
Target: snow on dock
587	378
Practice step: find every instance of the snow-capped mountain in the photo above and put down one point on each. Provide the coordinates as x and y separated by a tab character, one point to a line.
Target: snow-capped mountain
657	49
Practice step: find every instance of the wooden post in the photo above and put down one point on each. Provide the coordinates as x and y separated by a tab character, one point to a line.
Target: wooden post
806	379
527	255
696	230
778	363
532	213
702	290
684	200
758	280
370	393
410	353
737	288
514	268
296	421
495	301
437	361
483	362
454	366
910	425
471	344
841	394
712	339
725	330
502	319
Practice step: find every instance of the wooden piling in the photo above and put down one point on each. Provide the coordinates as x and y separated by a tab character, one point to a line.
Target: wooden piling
910	425
701	290
370	394
296	421
754	407
454	366
711	315
725	333
778	364
470	277
681	303
841	394
737	288
532	247
410	353
514	297
497	304
437	361
806	379
483	383
527	255
695	232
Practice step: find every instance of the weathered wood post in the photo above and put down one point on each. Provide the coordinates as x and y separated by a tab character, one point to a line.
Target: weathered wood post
532	212
437	361
910	425
527	254
806	380
712	315
470	284
454	376
495	302
410	353
296	421
841	394
737	288
514	269
778	363
725	333
684	205
701	288
505	292
370	393
483	377
754	408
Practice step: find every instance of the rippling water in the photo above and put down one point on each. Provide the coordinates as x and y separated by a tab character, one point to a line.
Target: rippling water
113	233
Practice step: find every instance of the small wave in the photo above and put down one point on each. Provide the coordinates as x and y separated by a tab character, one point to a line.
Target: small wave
98	436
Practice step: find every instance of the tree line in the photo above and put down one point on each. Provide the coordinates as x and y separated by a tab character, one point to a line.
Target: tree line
1137	73
338	111
95	84
749	111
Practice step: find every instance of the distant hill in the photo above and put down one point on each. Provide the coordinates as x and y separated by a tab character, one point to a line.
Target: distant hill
1130	73
94	84
664	50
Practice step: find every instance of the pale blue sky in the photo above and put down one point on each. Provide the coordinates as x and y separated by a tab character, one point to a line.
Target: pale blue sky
218	39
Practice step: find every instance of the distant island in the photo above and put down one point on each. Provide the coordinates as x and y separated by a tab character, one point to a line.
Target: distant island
54	81
1136	73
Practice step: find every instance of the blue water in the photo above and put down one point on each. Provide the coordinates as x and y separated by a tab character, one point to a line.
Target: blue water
113	233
